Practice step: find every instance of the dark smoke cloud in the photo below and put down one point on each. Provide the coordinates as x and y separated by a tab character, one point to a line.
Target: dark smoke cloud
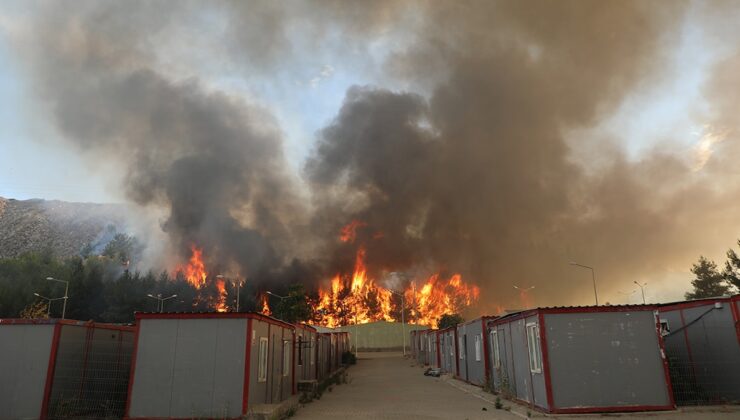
472	170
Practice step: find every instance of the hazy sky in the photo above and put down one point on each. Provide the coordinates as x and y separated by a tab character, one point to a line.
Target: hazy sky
303	87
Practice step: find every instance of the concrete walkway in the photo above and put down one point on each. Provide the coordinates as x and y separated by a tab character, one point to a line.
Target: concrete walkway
387	386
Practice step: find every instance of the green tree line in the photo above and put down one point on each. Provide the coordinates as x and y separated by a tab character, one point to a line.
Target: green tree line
711	281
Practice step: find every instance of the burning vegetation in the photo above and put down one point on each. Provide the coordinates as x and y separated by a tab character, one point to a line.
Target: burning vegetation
353	297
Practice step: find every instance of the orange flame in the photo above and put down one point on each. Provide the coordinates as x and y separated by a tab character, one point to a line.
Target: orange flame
221	301
349	232
195	271
265	306
357	299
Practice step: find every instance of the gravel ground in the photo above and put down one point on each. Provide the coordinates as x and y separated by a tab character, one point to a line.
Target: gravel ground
387	386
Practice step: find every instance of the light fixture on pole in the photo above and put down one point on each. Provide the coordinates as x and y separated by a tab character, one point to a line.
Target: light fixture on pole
642	289
48	305
282	298
523	289
160	300
66	293
593	277
238	284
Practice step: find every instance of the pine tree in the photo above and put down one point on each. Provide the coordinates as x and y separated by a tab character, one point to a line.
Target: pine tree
732	269
709	282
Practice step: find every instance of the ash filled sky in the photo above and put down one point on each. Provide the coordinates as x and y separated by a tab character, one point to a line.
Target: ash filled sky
497	139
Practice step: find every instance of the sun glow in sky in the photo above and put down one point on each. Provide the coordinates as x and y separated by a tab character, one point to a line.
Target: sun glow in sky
671	111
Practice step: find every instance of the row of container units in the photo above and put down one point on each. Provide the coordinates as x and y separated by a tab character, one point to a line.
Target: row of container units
221	365
702	342
170	365
54	369
581	359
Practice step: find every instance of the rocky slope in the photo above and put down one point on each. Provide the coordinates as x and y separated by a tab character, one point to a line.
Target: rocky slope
65	228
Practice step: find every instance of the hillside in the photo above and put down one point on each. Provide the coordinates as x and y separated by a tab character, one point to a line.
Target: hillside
65	228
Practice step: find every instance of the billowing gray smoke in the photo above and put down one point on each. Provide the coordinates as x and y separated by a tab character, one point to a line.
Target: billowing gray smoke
476	168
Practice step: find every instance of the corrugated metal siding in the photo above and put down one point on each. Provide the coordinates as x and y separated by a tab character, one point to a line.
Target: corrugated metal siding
25	353
189	368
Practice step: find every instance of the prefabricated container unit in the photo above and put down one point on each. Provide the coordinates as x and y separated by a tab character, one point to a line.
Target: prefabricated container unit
702	342
59	369
472	351
422	356
434	356
209	365
581	359
413	344
323	356
305	353
448	350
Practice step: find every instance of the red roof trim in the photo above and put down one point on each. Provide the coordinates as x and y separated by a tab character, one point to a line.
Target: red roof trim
614	409
213	315
56	321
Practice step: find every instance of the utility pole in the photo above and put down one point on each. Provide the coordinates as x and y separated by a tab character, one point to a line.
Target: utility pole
642	289
593	277
66	293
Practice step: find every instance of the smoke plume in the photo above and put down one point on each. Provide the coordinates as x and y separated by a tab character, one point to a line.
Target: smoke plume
477	165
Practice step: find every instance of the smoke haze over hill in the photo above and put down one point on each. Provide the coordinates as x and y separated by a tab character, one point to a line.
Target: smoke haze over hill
478	149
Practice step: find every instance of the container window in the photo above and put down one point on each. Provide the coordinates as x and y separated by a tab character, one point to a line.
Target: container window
477	348
262	361
460	347
300	351
286	357
313	351
535	356
665	329
494	347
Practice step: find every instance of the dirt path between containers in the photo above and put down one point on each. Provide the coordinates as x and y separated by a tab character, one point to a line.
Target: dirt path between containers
388	386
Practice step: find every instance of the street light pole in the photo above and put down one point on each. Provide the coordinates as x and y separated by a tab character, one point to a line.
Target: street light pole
282	298
642	289
160	301
48	305
66	293
593	277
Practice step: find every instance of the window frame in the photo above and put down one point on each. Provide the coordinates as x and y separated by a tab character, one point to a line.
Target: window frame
299	356
286	357
461	347
262	359
478	352
535	353
495	349
313	351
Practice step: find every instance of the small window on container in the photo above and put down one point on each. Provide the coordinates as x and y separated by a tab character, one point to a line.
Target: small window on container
477	348
535	356
262	360
665	329
300	351
460	347
495	350
313	350
286	357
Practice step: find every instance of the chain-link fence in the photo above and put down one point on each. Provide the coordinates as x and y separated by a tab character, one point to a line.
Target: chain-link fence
91	373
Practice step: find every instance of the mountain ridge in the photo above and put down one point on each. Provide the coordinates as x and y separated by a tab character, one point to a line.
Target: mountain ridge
66	228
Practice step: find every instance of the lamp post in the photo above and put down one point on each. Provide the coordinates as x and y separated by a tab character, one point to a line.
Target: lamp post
593	277
282	298
160	300
642	289
238	284
403	319
66	293
48	305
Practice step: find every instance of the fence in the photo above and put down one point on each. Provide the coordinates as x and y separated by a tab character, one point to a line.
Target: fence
91	373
